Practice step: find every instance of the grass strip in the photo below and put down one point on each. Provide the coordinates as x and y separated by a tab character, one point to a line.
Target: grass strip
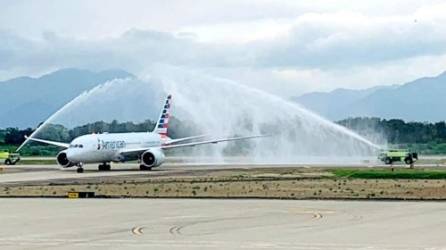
37	162
390	174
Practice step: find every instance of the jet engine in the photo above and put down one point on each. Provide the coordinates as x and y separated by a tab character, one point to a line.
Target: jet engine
152	158
62	160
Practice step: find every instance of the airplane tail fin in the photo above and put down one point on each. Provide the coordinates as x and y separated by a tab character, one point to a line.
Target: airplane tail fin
163	121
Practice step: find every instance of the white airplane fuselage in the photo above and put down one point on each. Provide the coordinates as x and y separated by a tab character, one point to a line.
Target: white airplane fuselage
98	148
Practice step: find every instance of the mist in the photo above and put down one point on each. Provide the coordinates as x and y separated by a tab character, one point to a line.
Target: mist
219	108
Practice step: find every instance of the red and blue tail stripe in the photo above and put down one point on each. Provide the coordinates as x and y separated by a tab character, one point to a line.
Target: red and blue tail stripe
163	121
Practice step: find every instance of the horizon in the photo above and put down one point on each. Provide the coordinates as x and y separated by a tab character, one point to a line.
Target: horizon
399	84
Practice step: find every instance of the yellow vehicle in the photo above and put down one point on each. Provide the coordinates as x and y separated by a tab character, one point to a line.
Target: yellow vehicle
9	158
398	155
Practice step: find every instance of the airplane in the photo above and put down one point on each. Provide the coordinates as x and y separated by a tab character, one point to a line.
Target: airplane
146	147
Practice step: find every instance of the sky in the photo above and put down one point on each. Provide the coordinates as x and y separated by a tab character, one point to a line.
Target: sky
285	47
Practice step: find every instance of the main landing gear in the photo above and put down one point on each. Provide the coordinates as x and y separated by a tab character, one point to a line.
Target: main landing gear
144	168
104	167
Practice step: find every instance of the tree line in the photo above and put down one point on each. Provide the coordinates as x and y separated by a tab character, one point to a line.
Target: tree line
57	132
397	131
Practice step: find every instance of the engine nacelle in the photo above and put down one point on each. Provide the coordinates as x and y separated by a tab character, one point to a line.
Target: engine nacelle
152	158
63	161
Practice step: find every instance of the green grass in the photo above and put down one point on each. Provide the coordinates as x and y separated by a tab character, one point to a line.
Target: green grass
10	148
33	150
37	162
389	174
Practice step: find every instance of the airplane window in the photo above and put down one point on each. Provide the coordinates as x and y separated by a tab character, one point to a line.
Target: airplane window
81	146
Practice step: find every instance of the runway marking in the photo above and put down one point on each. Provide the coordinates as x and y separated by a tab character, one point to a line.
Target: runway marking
175	230
314	214
356	217
137	230
317	215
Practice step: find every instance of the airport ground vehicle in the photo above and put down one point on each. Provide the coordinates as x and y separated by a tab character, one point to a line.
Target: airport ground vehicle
9	158
397	155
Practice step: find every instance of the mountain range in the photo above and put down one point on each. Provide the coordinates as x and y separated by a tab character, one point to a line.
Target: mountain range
419	100
27	101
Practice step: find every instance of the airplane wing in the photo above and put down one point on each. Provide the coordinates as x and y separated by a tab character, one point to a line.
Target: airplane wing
172	141
190	144
59	144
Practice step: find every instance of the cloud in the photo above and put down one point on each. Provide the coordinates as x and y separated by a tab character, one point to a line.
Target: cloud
347	39
286	50
134	51
313	41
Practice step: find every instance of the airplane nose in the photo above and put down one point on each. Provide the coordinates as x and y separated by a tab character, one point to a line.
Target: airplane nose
69	154
72	155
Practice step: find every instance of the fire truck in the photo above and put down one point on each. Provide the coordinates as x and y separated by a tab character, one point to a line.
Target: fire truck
398	155
9	158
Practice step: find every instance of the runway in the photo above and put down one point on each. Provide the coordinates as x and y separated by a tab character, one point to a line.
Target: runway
53	172
28	173
36	173
220	224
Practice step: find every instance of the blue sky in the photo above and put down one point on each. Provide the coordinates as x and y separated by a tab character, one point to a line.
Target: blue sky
285	47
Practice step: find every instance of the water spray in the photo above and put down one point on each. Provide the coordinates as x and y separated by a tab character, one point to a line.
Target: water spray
219	107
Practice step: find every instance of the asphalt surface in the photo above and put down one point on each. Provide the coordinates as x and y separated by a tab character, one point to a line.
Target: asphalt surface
220	224
32	173
209	224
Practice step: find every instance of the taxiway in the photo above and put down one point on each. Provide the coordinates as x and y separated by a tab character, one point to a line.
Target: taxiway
220	224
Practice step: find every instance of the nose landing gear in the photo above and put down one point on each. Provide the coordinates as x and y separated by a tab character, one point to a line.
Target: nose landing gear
80	169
